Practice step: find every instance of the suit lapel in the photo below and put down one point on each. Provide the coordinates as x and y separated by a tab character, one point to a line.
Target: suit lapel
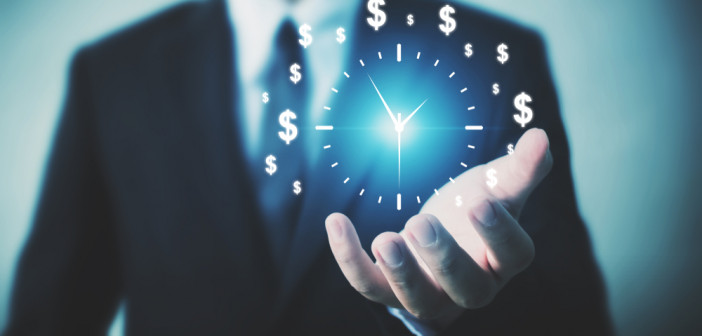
196	78
195	83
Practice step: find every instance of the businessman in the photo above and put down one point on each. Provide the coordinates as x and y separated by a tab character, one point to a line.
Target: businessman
155	195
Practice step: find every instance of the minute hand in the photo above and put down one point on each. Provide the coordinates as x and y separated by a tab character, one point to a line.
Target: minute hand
387	108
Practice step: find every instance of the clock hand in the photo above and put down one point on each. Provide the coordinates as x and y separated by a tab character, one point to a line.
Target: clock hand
399	127
387	108
399	146
404	122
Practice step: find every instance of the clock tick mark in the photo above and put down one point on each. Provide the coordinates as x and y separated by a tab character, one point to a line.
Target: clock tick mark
334	164
451	179
419	53
471	108
362	64
418	201
327	108
436	192
380	56
327	147
335	90
464	165
380	198
474	127
346	180
451	75
436	63
346	74
464	89
399	52
471	146
362	191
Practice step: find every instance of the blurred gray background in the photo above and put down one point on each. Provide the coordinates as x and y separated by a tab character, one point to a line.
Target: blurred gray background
628	76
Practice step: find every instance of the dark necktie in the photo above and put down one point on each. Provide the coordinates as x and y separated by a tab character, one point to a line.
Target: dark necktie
278	202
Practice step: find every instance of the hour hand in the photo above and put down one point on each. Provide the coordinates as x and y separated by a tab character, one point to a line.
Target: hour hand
413	112
387	108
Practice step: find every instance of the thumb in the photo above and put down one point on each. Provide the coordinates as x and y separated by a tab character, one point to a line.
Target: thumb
519	173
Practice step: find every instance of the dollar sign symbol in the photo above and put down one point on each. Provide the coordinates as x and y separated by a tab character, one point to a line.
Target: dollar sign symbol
296	75
449	24
297	189
265	97
340	37
378	18
495	89
410	20
469	50
503	55
491	179
526	114
510	149
459	201
306	39
271	166
290	130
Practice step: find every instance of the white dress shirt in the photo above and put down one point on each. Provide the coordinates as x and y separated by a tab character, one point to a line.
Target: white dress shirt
255	24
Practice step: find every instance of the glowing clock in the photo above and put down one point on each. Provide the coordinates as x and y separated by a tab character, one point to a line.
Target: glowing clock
401	125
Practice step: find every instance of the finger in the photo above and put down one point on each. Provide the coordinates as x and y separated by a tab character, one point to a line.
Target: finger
465	282
509	249
518	174
358	268
417	293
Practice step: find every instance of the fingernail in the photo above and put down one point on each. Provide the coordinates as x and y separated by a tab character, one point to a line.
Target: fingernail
391	254
423	231
484	214
335	230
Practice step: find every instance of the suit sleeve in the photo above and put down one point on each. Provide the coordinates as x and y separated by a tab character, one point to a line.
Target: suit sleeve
562	292
68	279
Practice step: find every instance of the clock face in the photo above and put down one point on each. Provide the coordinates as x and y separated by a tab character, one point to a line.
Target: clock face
401	125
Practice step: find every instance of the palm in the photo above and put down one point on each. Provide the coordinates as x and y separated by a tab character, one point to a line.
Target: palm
454	254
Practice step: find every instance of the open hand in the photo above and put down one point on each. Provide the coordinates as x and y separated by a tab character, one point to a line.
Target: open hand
451	257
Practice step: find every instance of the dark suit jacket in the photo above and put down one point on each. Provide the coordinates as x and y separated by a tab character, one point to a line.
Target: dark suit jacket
146	199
